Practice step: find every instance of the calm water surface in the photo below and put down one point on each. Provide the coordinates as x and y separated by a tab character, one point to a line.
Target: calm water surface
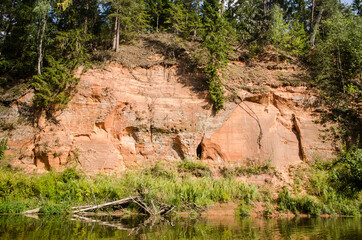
106	227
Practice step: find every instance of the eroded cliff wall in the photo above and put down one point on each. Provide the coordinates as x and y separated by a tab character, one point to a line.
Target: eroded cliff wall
123	118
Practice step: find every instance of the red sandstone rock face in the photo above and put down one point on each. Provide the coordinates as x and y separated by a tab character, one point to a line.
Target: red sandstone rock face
120	119
267	127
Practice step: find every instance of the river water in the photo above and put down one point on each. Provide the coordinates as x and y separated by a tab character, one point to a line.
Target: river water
218	227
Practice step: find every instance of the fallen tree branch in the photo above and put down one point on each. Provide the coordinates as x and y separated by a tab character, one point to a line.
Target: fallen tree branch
36	210
118	202
143	206
80	207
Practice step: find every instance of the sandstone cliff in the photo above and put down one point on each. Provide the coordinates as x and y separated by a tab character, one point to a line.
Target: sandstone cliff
130	117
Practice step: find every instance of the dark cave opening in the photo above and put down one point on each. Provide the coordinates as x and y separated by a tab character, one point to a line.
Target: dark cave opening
199	151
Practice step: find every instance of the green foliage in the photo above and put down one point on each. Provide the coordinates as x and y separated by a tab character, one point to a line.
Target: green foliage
73	45
243	210
336	64
264	168
346	173
41	8
50	208
298	41
278	29
159	171
286	201
196	168
248	20
3	147
132	17
305	204
215	86
53	89
12	207
56	192
184	20
218	37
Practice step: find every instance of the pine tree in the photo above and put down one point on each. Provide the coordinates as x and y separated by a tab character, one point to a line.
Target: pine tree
248	19
183	19
278	30
357	6
217	36
53	89
298	38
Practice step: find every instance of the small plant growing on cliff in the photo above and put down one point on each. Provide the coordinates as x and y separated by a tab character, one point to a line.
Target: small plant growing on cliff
53	89
197	169
3	146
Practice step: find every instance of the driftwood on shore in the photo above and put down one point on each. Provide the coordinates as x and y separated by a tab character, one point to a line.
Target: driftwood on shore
36	210
114	203
152	211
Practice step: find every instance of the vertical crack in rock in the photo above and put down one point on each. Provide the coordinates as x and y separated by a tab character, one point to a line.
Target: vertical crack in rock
256	118
296	131
252	115
151	122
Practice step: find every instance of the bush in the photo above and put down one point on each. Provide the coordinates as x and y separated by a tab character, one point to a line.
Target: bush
346	172
247	170
286	201
197	169
12	207
306	204
243	210
3	146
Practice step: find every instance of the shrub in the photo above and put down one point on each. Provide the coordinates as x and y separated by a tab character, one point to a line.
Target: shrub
12	207
243	210
346	172
286	201
197	169
3	146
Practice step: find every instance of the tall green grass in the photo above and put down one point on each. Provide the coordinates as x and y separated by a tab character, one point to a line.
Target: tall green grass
52	190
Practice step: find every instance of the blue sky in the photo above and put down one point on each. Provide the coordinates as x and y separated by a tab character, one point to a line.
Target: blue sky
347	1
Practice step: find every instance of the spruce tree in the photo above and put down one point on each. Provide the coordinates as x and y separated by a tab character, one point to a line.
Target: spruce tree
217	36
278	29
54	87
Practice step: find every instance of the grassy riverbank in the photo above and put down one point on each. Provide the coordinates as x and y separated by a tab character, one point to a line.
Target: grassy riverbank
189	186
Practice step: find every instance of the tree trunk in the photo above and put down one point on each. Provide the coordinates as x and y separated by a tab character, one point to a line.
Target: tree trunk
115	34
264	2
6	31
157	18
40	46
117	37
86	18
312	18
222	3
315	30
